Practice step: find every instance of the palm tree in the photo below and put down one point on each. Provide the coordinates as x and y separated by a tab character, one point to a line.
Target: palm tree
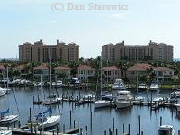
73	65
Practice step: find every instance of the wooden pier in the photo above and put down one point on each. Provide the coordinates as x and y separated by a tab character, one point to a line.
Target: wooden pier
18	131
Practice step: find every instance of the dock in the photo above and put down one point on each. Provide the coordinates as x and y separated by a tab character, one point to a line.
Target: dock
18	131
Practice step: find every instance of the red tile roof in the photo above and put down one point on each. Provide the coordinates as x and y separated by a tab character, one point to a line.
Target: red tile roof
41	67
140	67
81	67
110	68
62	68
163	69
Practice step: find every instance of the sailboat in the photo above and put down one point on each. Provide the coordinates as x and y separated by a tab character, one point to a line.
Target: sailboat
139	98
166	130
5	131
42	121
101	103
52	99
10	118
7	119
51	120
47	121
2	92
154	84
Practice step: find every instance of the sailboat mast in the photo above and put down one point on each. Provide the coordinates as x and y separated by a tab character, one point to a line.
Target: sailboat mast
41	99
50	71
101	77
107	74
7	78
137	81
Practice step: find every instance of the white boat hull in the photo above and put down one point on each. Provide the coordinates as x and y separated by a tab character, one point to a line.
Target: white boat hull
123	104
154	87
9	119
4	131
178	107
50	122
2	93
101	103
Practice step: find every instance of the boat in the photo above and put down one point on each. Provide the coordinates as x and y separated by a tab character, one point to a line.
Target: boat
166	130
178	107
2	92
57	84
158	99
50	122
38	84
106	95
50	101
142	87
5	131
154	86
175	94
89	97
139	98
5	89
101	103
75	81
124	99
10	118
7	119
118	85
42	121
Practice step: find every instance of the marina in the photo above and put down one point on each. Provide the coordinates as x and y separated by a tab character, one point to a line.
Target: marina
77	110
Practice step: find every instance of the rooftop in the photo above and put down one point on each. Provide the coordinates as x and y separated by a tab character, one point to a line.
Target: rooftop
140	67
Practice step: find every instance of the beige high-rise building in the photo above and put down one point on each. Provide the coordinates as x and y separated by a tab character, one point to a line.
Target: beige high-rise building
39	52
152	51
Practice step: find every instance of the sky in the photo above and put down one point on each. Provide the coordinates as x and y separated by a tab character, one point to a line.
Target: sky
30	20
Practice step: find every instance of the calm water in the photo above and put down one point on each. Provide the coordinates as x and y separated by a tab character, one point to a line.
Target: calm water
102	118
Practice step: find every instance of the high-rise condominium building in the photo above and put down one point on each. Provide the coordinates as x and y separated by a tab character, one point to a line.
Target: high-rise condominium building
152	51
39	52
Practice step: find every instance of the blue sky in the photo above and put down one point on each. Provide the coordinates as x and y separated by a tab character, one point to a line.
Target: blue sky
31	20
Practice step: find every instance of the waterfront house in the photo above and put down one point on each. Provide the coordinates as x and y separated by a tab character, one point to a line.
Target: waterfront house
2	71
62	72
140	69
111	73
164	74
21	71
39	71
84	72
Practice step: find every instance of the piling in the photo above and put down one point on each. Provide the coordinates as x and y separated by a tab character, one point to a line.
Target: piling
86	129
110	132
80	131
139	122
31	121
113	124
70	118
123	127
91	119
116	131
63	128
129	129
160	120
104	132
74	123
